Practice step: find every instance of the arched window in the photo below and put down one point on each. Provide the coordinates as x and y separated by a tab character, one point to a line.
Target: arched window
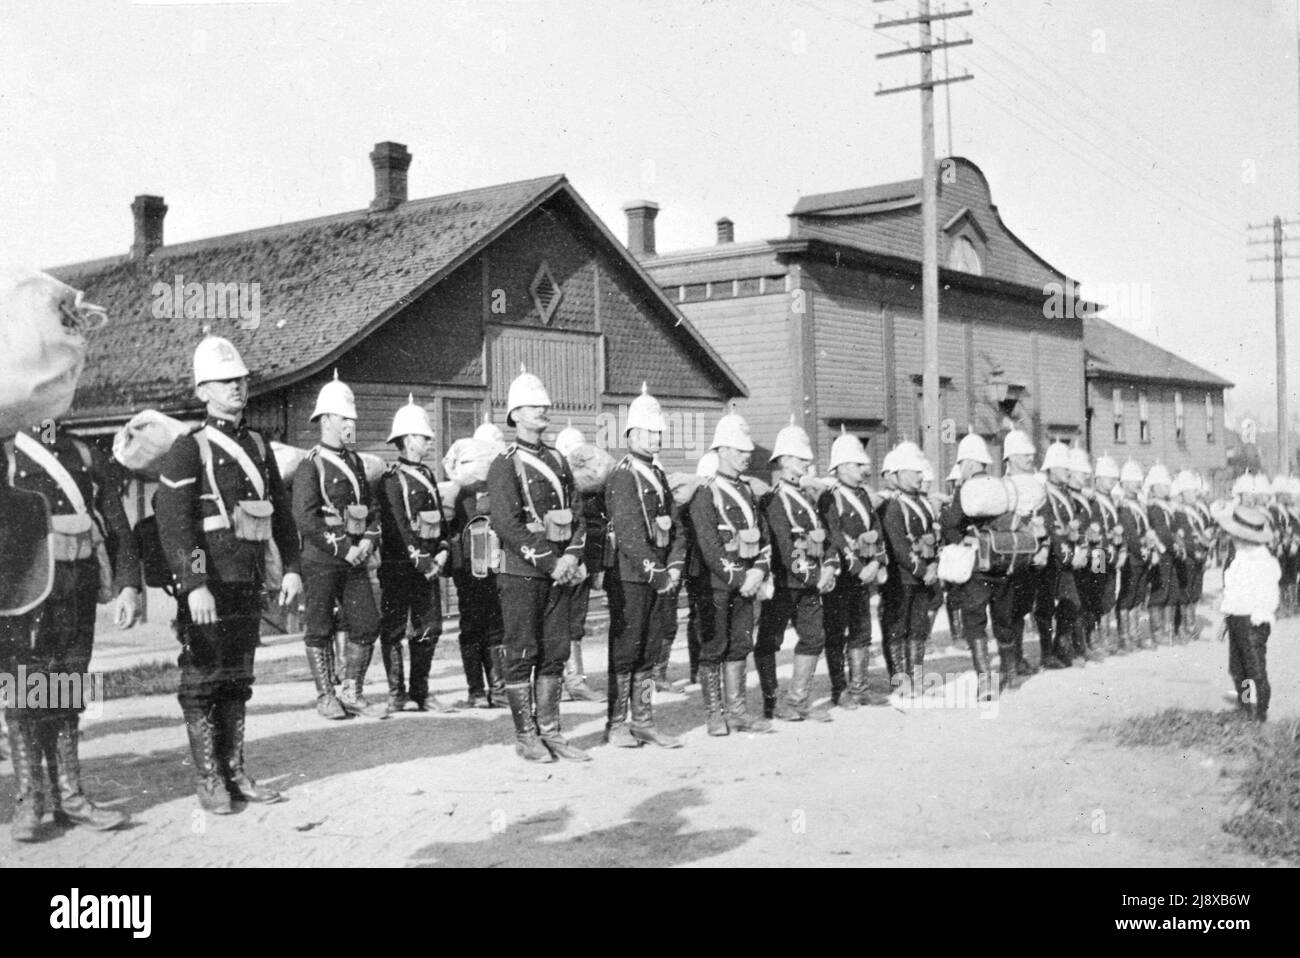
963	256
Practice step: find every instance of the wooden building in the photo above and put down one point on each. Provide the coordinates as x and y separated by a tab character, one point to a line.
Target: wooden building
825	324
1147	403
442	297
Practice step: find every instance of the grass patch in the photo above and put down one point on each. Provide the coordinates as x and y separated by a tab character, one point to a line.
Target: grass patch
1268	818
164	678
1223	732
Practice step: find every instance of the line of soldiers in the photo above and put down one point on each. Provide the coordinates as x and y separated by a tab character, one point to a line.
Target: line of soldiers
1076	547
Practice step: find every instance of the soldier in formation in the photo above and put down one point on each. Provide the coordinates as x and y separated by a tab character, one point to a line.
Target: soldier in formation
414	553
338	519
536	512
221	508
642	580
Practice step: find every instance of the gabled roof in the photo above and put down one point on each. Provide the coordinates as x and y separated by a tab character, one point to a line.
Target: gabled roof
886	219
1113	352
324	284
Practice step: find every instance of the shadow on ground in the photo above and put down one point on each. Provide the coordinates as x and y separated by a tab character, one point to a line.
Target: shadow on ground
657	834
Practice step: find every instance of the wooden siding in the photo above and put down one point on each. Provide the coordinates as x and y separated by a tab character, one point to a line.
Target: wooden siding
1193	451
752	336
437	339
897	232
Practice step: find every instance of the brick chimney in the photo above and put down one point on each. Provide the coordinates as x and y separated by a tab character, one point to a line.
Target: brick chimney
641	226
148	212
726	231
391	161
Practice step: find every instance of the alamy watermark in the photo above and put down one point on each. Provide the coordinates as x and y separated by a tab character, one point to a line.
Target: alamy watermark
1125	302
82	691
684	430
192	300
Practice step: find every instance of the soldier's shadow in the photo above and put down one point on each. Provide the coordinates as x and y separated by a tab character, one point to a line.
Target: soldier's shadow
656	835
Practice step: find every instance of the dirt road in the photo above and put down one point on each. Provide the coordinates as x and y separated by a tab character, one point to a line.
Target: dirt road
1030	782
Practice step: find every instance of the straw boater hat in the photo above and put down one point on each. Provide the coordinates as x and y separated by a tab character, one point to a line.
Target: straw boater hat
1247	523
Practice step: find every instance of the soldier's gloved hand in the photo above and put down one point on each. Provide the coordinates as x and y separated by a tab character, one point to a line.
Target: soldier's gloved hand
675	574
883	577
290	589
826	582
1080	559
203	608
354	556
1040	557
753	579
564	570
869	572
126	611
931	574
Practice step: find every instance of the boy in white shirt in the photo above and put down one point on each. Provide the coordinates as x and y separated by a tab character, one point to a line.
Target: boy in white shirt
1250	601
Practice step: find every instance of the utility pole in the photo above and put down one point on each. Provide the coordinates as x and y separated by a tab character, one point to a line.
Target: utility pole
929	208
1279	322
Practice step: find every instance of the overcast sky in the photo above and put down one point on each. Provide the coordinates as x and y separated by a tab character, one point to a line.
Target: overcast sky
1128	143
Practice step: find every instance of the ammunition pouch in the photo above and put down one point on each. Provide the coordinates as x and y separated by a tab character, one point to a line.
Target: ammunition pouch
663	527
558	526
355	520
427	524
812	543
75	537
250	520
747	543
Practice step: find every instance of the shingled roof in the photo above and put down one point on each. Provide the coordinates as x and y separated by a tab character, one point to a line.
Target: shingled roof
1111	351
324	284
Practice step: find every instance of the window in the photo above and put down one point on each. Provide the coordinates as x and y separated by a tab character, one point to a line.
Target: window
963	256
695	292
1209	418
747	287
1144	418
546	293
773	284
1178	417
1117	400
460	417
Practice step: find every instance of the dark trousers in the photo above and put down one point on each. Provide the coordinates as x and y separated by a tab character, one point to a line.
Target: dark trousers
1057	605
1162	581
888	612
217	660
803	607
1109	591
912	614
981	598
64	637
1089	585
846	615
636	624
326	587
578	604
1133	584
479	610
1195	583
535	614
1248	659
407	596
726	627
1024	592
